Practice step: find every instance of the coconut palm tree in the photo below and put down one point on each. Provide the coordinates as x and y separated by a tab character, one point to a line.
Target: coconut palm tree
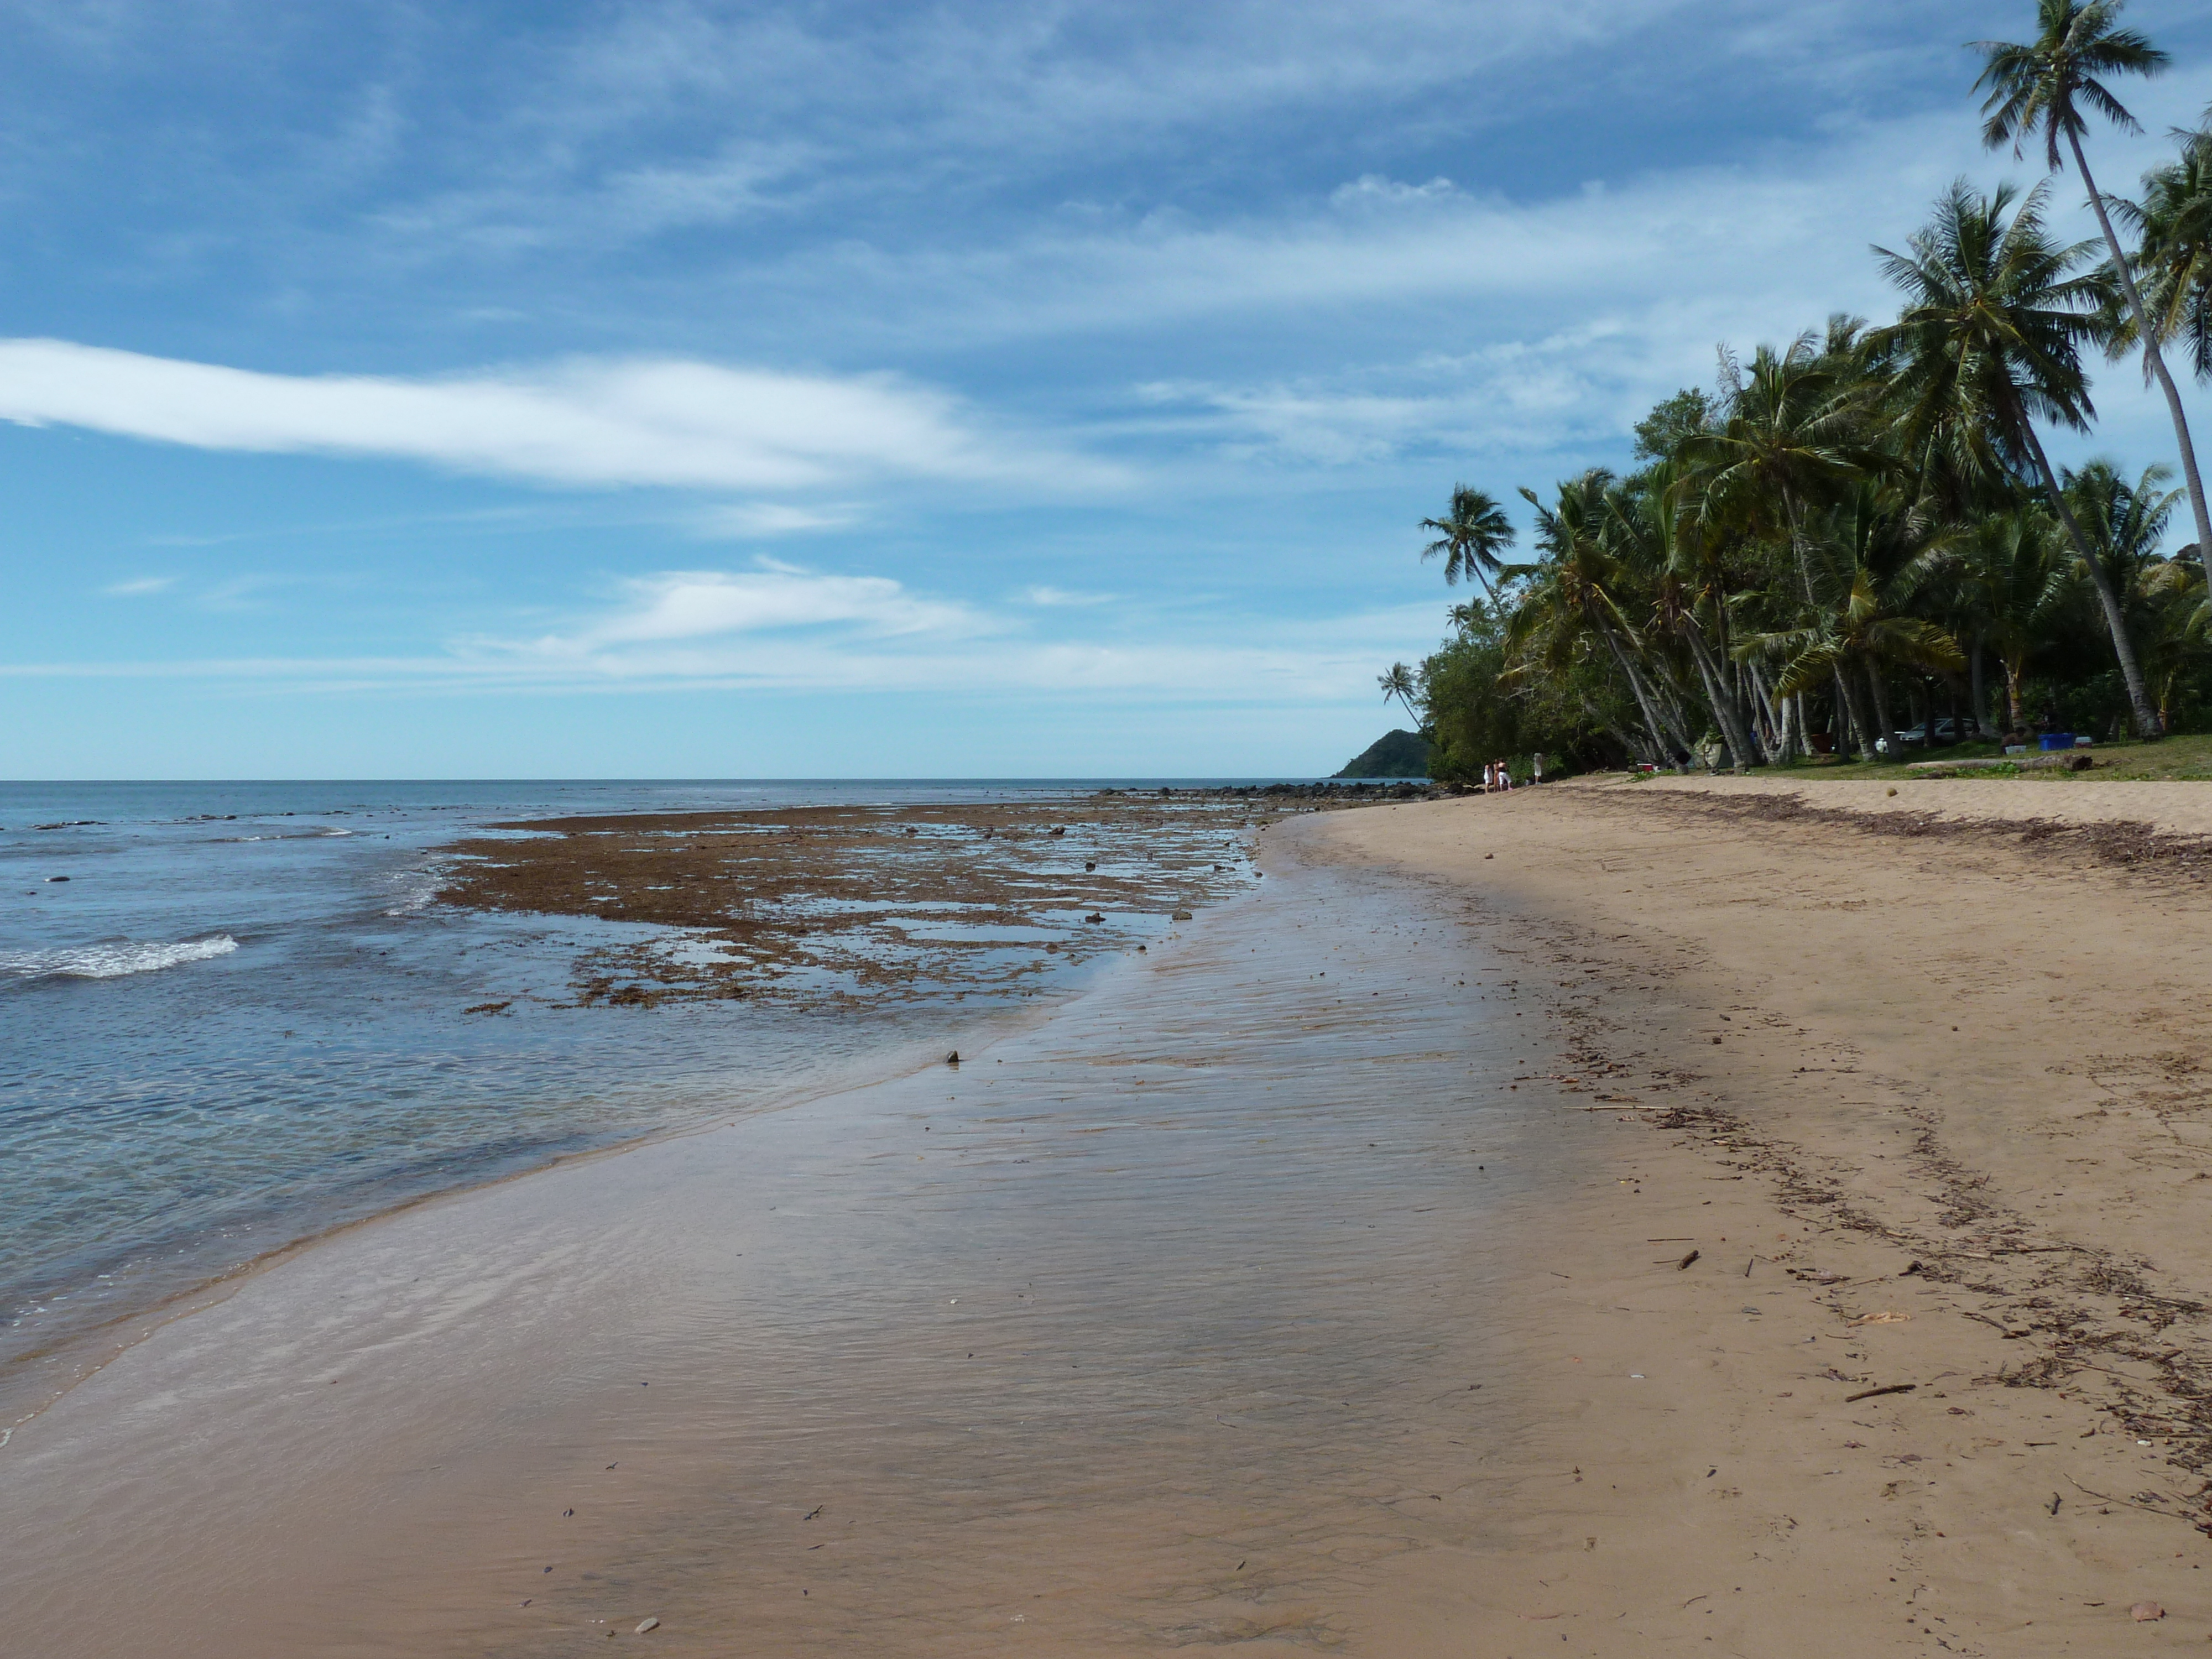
1790	433
1989	339
2041	88
1399	684
1855	639
2172	593
2173	252
1473	531
2014	568
1572	597
2125	522
1646	527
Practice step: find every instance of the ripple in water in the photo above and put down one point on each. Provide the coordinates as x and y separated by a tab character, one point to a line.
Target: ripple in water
113	959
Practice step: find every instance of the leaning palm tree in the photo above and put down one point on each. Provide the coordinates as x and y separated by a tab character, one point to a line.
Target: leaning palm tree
1791	433
1572	597
2173	255
1863	632
1989	339
1645	526
1473	531
1399	684
2125	522
2040	89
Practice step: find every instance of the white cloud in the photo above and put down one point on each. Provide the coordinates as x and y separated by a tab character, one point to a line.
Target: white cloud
1374	190
693	603
781	628
140	587
755	520
582	423
1059	597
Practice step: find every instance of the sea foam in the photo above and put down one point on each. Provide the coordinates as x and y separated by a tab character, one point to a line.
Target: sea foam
113	961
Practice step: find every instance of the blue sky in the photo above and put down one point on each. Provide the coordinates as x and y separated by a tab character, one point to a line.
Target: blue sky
704	390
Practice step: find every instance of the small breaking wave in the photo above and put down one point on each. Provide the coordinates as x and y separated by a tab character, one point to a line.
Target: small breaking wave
114	960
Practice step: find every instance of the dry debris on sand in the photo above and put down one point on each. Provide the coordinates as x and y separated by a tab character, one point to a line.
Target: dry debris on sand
1923	1078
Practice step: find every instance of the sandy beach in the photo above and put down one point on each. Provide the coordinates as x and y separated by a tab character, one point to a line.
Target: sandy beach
1610	1218
1919	1076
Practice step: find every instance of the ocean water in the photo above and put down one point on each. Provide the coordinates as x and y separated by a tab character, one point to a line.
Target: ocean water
1190	1319
231	1017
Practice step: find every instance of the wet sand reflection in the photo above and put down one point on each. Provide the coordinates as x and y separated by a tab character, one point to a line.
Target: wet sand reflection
1159	1325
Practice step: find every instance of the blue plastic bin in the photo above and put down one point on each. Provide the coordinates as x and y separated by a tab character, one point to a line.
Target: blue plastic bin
2058	740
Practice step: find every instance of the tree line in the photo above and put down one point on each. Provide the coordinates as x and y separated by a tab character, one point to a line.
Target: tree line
1858	538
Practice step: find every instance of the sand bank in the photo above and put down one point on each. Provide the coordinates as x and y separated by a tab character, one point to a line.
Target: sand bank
1919	1074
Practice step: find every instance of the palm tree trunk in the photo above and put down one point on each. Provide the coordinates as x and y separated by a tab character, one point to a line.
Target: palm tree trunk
1642	695
2154	359
1777	710
1976	696
2014	669
1848	705
2147	725
1726	714
1886	729
1799	550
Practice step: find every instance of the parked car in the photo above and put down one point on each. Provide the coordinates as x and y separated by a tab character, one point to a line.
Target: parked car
1947	730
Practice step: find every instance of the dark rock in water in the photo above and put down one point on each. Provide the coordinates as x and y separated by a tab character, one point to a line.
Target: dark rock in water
56	878
1094	916
1091	864
952	1059
1184	916
1399	754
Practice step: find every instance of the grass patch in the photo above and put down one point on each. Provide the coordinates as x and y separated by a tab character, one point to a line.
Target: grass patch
2169	760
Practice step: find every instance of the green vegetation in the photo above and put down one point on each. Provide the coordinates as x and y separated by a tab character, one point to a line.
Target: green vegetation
2174	759
1399	754
1856	551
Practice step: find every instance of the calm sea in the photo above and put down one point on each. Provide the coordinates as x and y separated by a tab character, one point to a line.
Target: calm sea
231	1017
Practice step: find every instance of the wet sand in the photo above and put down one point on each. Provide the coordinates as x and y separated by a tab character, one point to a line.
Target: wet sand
1317	1282
1166	1323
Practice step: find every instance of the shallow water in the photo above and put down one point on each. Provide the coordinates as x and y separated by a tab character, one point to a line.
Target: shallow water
232	1017
1160	1324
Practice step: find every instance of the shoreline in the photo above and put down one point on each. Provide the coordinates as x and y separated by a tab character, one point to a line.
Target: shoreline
1170	1341
792	869
1363	1220
1901	1172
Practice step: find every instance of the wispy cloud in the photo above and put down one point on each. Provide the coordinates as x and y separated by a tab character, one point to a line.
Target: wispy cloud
140	587
757	521
580	423
694	603
783	628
